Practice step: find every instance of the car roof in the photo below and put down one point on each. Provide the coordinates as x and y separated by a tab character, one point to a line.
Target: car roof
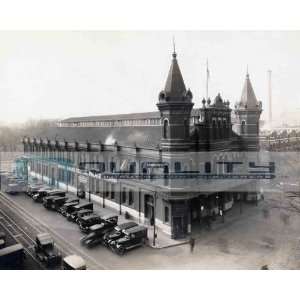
83	204
75	261
44	238
127	225
136	229
96	226
108	216
91	216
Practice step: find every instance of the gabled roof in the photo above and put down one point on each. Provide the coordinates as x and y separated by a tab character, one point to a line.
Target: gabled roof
248	98
175	85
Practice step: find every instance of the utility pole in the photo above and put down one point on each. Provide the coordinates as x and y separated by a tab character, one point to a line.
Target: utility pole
270	95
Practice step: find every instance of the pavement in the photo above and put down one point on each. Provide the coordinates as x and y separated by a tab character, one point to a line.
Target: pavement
267	234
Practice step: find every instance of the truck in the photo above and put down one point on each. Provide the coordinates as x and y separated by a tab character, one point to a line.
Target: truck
45	250
12	257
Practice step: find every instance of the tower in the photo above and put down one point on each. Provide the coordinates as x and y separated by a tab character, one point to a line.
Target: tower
175	105
248	112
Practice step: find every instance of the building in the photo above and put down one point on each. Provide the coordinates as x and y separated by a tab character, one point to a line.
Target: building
127	161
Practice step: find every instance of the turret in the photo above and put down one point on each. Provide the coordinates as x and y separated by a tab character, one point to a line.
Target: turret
175	106
248	112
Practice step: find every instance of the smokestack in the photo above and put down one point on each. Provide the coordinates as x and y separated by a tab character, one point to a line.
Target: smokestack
270	95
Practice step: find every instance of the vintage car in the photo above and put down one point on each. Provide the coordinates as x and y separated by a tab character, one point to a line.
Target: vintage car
72	216
74	262
82	213
97	231
86	222
46	251
117	232
54	202
68	207
12	257
44	192
33	188
133	237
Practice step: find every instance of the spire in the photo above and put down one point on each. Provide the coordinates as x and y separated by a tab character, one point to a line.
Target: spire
175	85
248	98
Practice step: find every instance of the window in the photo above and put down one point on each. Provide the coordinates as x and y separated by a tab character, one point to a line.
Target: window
112	192
243	127
177	167
207	167
165	131
167	214
186	129
112	166
124	195
130	197
132	167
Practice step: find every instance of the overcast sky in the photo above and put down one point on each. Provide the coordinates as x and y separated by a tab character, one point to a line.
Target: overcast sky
63	74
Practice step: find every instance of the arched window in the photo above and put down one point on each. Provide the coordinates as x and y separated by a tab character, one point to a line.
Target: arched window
186	128
165	129
243	127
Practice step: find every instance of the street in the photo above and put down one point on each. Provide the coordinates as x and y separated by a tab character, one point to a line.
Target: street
263	234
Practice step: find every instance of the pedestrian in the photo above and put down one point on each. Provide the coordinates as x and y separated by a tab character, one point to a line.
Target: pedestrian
192	244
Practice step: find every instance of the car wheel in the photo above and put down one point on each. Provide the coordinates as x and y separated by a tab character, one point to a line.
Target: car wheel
121	251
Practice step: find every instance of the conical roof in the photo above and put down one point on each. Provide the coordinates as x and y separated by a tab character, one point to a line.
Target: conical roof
248	98
175	85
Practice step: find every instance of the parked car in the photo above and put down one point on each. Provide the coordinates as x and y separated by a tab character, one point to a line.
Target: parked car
12	257
97	231
68	207
42	192
74	262
54	202
72	216
33	188
117	232
86	222
46	251
82	213
133	237
81	193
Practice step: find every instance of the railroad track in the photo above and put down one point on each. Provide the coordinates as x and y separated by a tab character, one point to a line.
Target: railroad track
19	235
38	227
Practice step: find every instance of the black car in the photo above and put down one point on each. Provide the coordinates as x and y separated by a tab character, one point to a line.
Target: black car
97	231
33	188
40	193
72	216
68	207
117	232
46	193
54	202
82	213
86	222
46	251
133	237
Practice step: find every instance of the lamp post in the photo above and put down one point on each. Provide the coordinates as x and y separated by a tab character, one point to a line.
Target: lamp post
154	223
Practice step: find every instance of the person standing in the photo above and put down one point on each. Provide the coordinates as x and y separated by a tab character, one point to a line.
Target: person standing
192	244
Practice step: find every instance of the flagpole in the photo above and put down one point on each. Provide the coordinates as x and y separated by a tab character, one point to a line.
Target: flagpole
207	75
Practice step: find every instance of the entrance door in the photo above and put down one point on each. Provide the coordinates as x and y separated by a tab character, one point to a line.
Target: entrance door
179	229
149	208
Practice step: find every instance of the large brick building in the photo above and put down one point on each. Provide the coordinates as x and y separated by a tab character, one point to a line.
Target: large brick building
87	152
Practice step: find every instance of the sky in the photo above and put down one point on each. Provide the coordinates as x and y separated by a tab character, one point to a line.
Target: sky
66	73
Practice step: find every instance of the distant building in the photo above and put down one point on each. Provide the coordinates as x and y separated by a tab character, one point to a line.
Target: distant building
80	151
